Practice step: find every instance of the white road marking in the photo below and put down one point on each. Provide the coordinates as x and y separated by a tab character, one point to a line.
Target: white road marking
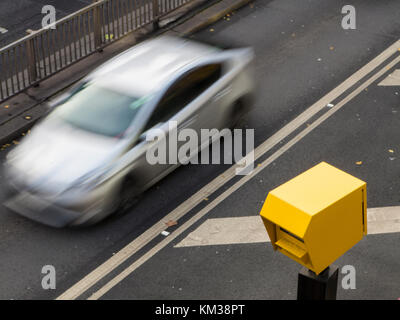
392	79
222	231
3	30
383	220
116	260
240	230
117	279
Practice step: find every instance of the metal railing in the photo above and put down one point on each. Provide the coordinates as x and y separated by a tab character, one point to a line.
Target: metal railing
45	52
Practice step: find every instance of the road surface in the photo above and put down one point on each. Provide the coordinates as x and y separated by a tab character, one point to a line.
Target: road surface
302	55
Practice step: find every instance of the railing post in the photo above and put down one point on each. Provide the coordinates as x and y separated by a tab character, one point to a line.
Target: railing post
156	13
30	53
97	27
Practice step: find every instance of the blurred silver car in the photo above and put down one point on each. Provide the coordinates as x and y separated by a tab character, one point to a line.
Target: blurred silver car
87	158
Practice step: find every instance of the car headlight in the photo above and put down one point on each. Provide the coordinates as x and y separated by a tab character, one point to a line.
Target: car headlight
90	180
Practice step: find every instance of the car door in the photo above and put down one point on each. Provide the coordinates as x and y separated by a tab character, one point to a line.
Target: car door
178	106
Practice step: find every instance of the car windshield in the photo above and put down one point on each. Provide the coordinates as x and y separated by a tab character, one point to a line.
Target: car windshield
100	110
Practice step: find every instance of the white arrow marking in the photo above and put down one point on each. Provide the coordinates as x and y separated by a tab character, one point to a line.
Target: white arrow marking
392	79
236	230
3	30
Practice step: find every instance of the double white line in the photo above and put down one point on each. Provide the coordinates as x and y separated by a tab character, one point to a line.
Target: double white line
120	257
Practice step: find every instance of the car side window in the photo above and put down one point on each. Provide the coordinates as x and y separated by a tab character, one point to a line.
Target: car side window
185	90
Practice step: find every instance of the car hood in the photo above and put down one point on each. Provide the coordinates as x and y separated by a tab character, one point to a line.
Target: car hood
55	154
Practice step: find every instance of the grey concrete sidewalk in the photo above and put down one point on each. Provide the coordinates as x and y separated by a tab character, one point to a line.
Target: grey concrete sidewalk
19	113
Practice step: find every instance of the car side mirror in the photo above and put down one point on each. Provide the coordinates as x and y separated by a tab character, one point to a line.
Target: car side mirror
57	101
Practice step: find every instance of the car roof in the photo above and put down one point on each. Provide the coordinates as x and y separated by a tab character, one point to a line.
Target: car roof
144	68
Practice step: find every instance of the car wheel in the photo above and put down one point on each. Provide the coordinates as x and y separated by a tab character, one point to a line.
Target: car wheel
127	196
237	112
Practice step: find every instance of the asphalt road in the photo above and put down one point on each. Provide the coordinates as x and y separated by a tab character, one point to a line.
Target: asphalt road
302	54
16	16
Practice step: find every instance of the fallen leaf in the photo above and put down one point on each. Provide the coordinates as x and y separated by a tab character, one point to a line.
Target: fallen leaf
331	48
171	223
28	117
391	151
6	107
211	30
359	163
